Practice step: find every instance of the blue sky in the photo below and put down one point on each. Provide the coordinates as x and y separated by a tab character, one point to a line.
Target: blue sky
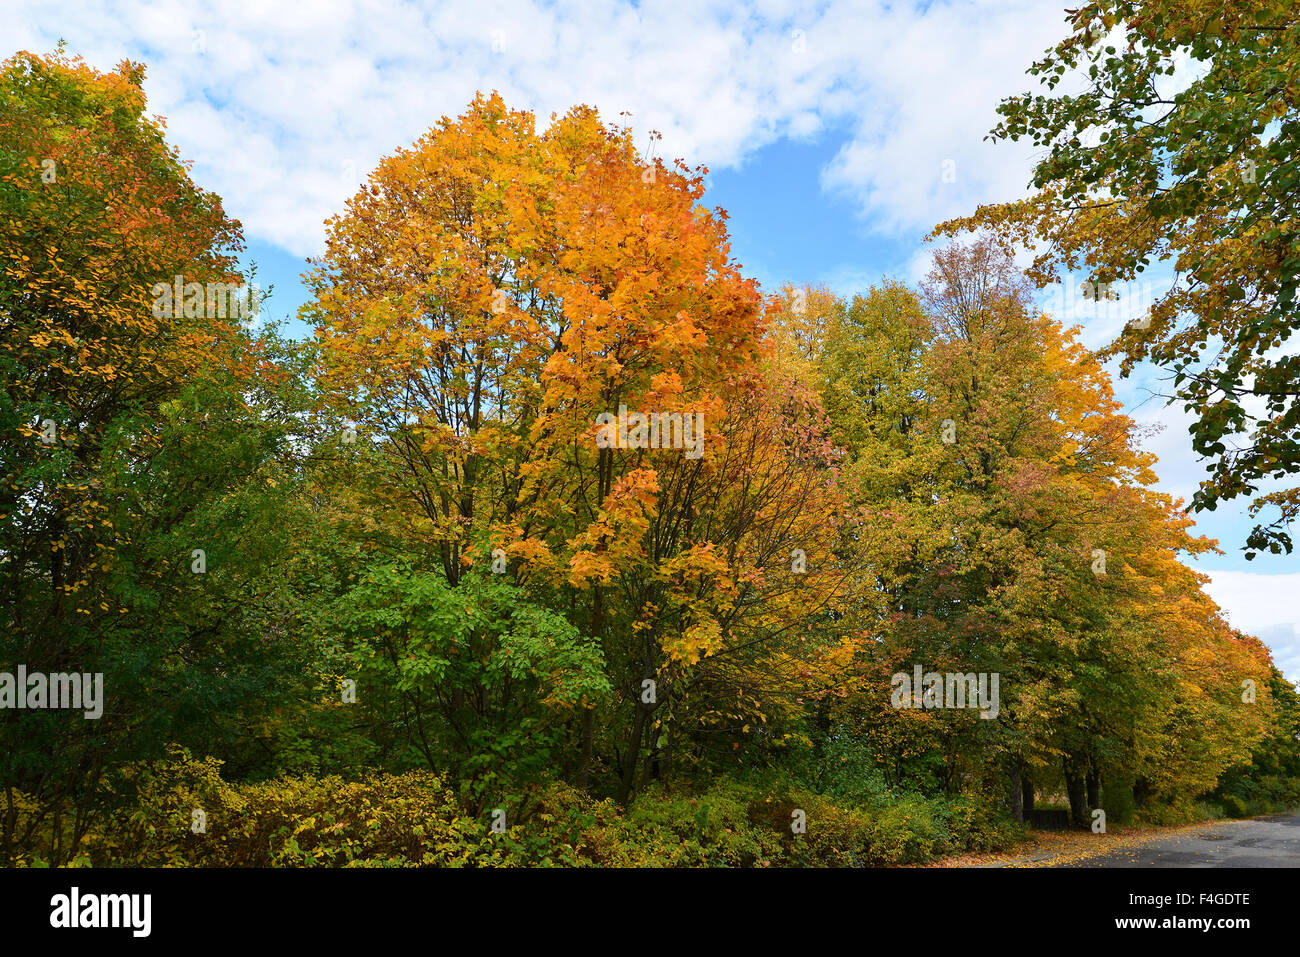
827	129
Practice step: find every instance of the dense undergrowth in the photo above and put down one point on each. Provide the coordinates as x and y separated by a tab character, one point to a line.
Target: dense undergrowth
416	819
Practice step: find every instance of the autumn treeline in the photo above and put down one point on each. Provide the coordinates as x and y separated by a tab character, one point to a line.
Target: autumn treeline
413	542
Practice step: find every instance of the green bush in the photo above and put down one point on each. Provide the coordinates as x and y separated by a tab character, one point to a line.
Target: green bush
1177	812
1234	806
416	819
1118	802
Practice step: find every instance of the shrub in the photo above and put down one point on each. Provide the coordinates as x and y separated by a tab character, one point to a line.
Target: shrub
416	819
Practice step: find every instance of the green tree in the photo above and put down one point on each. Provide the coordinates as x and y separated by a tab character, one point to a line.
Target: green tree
147	450
1180	151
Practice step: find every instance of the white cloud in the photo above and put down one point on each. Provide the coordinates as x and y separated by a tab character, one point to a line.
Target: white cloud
1264	606
934	84
850	281
272	100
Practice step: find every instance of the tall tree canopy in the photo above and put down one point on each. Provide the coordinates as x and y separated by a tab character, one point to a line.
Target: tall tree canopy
1181	153
1011	529
489	296
144	450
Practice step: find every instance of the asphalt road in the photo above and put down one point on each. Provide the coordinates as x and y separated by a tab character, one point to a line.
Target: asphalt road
1272	841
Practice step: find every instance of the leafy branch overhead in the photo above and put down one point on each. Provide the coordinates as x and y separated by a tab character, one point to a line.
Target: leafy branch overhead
1169	136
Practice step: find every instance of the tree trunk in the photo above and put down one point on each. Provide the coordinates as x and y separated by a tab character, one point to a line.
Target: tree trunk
588	714
1027	796
1074	789
1015	793
584	766
633	752
1094	791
